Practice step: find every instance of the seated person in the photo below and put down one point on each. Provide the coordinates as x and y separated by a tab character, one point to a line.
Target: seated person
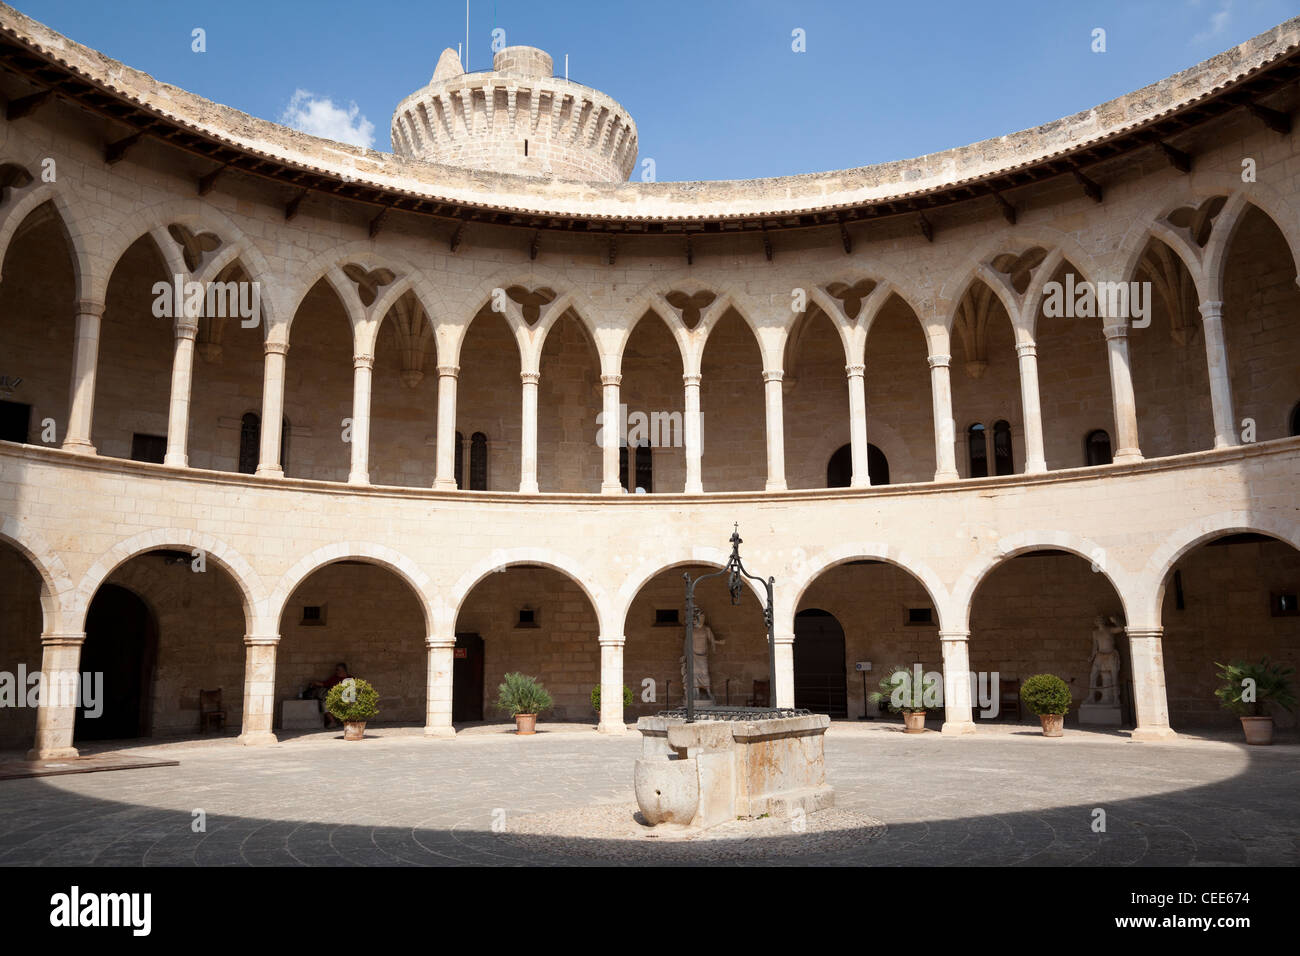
319	688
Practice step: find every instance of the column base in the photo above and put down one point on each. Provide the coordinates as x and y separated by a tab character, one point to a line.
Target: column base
1035	467
612	490
176	461
444	731
53	753
1153	734
957	727
269	471
616	728
775	486
359	479
445	484
529	488
693	489
78	447
258	738
864	483
1126	456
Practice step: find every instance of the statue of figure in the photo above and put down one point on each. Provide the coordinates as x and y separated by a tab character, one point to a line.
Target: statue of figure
1105	661
702	641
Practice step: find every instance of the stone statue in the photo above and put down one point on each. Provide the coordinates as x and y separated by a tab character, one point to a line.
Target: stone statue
702	641
1105	661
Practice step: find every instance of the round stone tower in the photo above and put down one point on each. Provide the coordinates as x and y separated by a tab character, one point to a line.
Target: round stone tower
516	118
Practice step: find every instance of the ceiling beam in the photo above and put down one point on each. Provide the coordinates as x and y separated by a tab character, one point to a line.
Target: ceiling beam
1178	159
116	151
1090	188
26	105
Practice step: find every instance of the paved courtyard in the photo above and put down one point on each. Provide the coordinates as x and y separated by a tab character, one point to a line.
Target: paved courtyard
1006	796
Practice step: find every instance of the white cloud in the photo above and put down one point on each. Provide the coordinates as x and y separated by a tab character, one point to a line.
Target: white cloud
1218	24
319	116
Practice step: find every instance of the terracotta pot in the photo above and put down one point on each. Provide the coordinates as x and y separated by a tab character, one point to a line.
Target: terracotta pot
1259	730
913	721
1053	724
354	729
525	724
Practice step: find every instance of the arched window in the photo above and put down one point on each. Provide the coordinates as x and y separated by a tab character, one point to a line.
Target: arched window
839	470
622	467
459	466
877	466
1097	447
1295	420
977	441
1004	463
478	472
645	469
250	444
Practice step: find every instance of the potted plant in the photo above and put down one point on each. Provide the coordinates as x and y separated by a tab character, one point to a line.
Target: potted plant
352	701
902	691
1248	689
1047	696
595	698
523	699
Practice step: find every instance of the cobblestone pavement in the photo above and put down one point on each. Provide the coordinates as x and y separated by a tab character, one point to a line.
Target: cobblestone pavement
1004	796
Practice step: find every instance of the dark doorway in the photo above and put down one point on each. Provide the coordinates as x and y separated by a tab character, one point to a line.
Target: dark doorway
467	679
121	644
819	669
15	418
839	470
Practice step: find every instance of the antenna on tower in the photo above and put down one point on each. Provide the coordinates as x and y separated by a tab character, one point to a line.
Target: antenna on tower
566	66
466	36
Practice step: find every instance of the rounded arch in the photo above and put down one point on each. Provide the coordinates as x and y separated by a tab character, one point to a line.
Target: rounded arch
977	571
248	581
382	555
873	551
56	585
1160	565
648	570
446	612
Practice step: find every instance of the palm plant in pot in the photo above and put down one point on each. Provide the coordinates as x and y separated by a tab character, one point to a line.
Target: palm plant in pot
1047	696
1249	689
523	698
352	701
902	690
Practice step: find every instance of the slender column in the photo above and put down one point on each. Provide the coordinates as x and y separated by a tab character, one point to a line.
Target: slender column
611	686
611	432
85	364
1216	355
1121	392
784	689
1150	700
178	411
259	689
694	434
445	464
945	462
858	424
272	408
1033	413
56	712
437	705
362	372
528	437
957	715
775	430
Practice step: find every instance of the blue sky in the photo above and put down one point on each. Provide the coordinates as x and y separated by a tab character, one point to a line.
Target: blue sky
714	86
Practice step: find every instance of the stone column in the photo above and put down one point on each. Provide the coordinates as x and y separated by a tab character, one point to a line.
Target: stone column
775	430
611	432
784	689
945	462
1034	459
1216	355
85	364
362	372
1121	392
858	424
437	705
178	411
272	408
56	712
259	689
694	434
528	433
611	686
957	713
1146	658
445	463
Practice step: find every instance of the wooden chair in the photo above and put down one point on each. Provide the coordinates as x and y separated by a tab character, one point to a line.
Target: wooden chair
762	695
1009	695
210	710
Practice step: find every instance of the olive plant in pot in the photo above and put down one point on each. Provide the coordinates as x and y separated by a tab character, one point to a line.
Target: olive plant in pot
352	701
1047	696
523	698
1248	690
903	690
595	698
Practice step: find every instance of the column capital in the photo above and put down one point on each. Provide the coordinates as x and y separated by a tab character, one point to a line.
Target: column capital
255	640
275	348
611	379
1113	332
954	635
855	371
90	307
449	371
186	327
1026	348
1211	309
530	378
939	360
363	361
786	638
691	379
611	641
773	375
1141	632
63	638
433	643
